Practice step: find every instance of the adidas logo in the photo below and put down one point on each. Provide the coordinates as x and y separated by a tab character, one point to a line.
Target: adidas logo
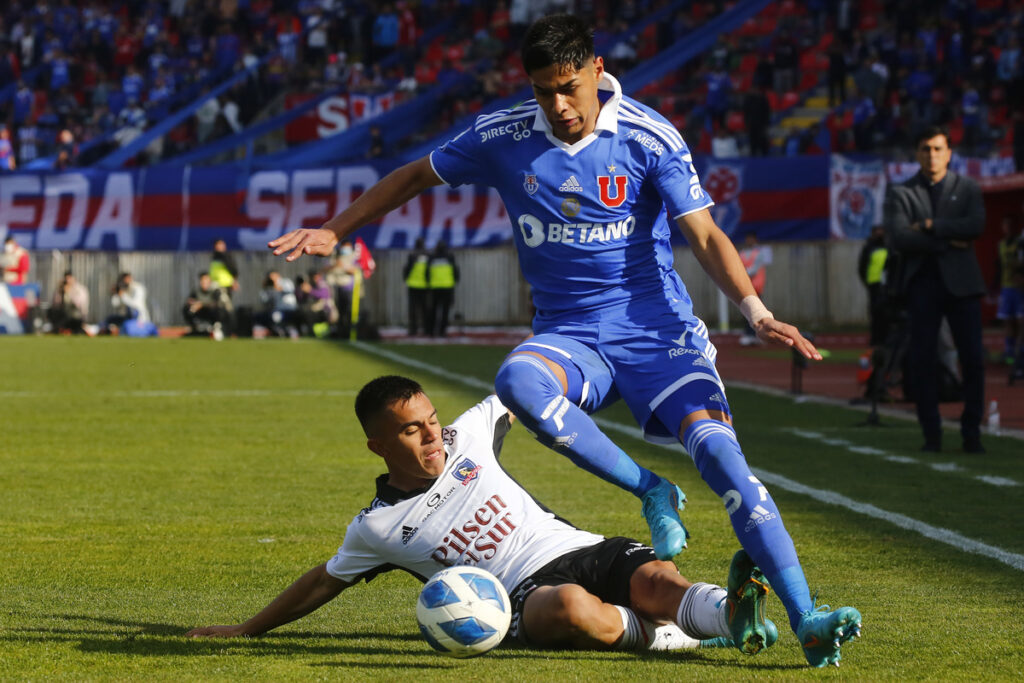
758	516
718	398
571	185
407	533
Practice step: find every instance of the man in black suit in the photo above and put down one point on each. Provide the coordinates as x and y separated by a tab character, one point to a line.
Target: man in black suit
932	220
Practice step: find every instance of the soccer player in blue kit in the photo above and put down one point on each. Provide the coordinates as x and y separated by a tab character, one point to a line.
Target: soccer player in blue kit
586	175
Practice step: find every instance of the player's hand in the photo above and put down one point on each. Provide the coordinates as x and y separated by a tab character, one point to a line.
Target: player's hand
778	332
314	241
234	631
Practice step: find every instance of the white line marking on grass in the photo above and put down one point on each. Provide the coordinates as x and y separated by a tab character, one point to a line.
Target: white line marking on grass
185	393
950	467
901	459
946	536
996	481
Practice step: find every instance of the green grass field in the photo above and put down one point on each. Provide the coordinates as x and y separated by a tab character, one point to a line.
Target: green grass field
149	486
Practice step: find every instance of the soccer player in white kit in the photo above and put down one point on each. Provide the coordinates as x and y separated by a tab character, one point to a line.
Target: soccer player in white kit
588	176
446	500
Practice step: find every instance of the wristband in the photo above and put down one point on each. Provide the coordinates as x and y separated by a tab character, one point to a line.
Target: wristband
753	309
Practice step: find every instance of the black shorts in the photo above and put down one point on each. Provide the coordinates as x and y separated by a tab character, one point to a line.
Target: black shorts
603	569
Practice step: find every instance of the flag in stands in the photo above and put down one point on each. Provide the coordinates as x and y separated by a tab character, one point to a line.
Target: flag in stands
365	258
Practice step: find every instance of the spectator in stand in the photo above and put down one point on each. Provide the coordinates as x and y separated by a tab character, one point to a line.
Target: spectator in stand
442	275
70	306
206	118
67	150
24	103
836	74
341	277
28	142
787	59
757	114
15	261
719	88
208	309
970	106
864	115
7	160
385	33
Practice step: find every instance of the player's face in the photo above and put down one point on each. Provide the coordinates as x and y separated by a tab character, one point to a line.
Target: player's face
934	154
408	437
568	98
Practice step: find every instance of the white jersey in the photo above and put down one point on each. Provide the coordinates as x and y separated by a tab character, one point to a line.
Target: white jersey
473	514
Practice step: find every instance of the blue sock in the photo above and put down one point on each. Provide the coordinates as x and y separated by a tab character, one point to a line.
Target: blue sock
754	515
528	388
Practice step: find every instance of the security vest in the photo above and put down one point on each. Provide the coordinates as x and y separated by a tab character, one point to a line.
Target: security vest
442	273
417	278
1008	262
876	265
220	274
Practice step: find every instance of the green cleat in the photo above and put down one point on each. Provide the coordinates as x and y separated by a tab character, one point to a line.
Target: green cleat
748	592
772	635
822	632
661	507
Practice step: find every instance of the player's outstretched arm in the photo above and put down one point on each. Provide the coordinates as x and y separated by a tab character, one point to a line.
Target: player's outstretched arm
393	190
311	591
718	257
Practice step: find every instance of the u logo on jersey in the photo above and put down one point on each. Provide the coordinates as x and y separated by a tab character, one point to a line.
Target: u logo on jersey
604	186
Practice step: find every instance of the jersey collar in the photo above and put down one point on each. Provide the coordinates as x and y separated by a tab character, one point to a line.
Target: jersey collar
391	495
607	118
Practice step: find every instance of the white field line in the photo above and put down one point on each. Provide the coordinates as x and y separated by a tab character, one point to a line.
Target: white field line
946	536
185	393
902	459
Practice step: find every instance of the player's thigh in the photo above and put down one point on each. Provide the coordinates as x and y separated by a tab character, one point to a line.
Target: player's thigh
665	371
562	614
586	378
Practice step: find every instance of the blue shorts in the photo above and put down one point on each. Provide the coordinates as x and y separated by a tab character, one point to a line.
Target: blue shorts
1011	303
653	354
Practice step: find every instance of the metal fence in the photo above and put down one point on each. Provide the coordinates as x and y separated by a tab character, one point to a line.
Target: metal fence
812	283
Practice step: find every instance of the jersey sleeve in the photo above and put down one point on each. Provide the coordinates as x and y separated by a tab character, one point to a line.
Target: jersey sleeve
356	558
676	179
459	161
488	420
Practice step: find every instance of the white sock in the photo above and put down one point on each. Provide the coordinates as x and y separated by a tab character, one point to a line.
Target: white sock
702	612
633	636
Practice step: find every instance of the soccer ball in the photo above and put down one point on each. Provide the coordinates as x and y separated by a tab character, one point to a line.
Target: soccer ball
463	611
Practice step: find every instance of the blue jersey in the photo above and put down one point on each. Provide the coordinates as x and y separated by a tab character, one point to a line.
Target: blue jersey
589	219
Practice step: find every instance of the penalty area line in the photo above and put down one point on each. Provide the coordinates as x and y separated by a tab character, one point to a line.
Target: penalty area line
950	538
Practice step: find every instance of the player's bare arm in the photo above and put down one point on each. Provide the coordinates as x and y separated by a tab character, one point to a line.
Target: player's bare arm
393	190
718	257
311	591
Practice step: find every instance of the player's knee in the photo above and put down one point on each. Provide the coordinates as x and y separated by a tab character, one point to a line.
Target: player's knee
655	589
526	386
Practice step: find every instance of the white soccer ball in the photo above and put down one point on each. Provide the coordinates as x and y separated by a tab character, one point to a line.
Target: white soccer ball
463	611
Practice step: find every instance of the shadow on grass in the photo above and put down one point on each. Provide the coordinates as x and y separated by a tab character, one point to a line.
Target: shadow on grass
401	650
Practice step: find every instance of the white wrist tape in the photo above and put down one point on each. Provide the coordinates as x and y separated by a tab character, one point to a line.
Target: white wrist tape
753	309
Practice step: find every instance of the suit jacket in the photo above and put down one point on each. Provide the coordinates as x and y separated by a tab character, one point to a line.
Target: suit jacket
959	217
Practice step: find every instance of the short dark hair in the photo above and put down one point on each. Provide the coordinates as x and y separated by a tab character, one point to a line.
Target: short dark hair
380	393
560	39
929	132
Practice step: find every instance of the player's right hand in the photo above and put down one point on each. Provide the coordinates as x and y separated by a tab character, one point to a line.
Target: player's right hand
216	632
313	241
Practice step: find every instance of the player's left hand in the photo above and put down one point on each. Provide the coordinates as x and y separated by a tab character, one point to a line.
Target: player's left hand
314	241
215	632
778	332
